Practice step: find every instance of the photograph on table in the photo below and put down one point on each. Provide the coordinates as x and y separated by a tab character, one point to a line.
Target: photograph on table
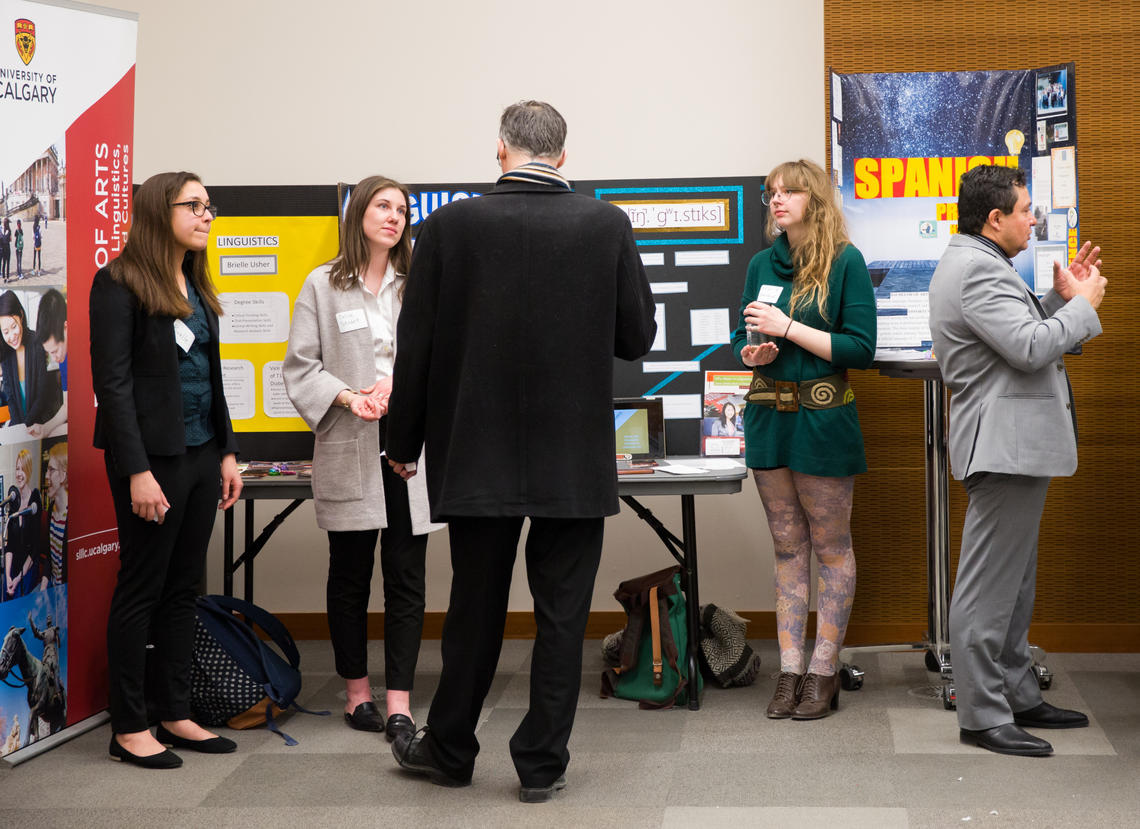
722	425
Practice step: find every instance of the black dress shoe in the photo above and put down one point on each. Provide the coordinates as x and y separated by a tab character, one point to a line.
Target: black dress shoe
1050	716
365	717
399	724
412	755
1006	738
541	794
166	760
214	745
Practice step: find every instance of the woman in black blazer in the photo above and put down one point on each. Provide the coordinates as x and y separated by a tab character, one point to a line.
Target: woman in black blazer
170	454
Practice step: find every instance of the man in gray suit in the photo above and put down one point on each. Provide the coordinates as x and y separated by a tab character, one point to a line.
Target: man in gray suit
1012	428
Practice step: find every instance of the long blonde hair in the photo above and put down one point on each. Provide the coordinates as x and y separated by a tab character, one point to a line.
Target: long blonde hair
825	232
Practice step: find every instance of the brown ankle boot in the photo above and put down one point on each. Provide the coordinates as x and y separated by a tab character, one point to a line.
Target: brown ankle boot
787	696
819	696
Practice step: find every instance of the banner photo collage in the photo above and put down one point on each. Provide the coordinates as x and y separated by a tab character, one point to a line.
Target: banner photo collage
899	144
66	101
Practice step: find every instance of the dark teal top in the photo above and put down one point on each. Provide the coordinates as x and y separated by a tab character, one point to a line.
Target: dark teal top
825	442
194	372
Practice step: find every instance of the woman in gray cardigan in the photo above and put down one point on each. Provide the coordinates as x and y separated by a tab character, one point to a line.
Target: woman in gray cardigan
338	373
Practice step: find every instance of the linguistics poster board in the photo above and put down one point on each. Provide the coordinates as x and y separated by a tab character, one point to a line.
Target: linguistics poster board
899	144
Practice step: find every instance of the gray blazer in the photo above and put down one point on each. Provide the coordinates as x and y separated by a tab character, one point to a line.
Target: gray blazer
348	490
1001	354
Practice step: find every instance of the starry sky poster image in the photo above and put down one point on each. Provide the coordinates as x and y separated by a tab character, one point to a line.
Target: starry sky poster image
900	143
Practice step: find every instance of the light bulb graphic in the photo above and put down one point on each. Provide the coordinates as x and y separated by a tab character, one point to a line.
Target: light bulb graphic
1014	141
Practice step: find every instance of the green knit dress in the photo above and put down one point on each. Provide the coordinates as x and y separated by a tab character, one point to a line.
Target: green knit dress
825	442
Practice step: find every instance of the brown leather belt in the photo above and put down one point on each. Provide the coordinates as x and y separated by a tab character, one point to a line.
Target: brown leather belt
829	392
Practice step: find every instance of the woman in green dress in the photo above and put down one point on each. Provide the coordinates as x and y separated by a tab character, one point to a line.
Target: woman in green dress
807	315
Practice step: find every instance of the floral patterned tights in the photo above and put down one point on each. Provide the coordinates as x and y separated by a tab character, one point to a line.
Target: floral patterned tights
807	514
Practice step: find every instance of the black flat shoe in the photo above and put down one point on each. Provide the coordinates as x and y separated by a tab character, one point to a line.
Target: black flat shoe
1007	739
412	755
1045	715
214	745
399	724
365	717
166	760
541	794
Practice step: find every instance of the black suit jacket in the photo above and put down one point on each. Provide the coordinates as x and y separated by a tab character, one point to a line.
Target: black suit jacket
516	304
134	369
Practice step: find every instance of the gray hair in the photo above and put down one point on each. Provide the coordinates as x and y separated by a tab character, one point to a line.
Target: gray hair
534	128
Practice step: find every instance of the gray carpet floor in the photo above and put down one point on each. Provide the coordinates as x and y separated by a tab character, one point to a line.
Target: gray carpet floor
890	757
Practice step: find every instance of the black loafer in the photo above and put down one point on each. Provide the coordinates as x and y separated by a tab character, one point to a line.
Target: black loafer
165	760
412	755
399	724
214	745
365	717
1050	716
1006	738
541	794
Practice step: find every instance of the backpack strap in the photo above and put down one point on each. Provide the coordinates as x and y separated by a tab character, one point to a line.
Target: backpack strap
655	635
260	617
665	649
239	641
271	724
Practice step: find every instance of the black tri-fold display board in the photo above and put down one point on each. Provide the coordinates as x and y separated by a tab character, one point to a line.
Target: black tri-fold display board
696	237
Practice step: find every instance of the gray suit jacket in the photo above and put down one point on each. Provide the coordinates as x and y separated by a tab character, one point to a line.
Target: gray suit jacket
321	360
1001	354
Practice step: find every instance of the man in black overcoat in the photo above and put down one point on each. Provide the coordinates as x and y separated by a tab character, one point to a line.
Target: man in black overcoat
516	305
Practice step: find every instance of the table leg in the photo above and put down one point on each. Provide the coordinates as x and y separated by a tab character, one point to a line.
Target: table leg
247	572
937	522
692	597
228	552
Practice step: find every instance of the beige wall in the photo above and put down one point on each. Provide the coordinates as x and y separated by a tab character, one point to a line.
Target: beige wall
285	92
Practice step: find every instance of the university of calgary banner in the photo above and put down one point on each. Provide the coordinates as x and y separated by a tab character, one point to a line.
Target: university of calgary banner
67	110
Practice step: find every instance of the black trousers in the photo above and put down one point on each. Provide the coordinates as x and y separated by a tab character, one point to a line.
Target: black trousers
160	568
402	557
562	558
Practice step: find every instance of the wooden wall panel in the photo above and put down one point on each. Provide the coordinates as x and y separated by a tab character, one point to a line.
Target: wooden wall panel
1089	569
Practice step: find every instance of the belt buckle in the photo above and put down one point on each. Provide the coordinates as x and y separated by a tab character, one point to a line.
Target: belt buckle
787	396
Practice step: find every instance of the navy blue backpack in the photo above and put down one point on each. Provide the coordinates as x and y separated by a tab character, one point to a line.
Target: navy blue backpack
237	679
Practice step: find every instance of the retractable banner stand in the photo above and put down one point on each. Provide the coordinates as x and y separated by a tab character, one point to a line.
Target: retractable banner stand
66	150
899	144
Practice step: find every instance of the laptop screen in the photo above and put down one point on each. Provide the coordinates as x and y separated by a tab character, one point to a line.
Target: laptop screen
639	427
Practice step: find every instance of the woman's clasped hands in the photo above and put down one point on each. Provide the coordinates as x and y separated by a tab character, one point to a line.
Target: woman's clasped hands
371	403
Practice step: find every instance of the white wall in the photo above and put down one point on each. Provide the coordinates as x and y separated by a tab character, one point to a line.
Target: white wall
290	92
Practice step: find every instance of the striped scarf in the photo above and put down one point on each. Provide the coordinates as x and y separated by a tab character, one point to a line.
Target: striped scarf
536	172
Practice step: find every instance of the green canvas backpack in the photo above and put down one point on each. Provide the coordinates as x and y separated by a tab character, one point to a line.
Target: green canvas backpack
653	657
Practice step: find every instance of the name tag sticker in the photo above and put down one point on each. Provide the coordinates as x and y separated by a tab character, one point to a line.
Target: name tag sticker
183	335
351	320
769	293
